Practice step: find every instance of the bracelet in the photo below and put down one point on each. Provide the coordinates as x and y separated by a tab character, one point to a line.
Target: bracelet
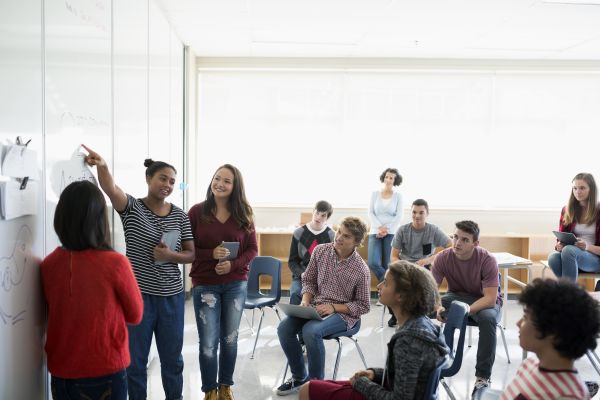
332	306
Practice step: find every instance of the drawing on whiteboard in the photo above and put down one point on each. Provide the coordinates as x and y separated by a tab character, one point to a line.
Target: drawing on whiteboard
73	170
12	319
12	272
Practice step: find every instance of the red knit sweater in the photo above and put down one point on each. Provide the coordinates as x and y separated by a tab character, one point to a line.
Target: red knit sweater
91	295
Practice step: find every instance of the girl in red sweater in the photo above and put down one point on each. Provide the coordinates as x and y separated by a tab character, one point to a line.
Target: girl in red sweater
91	295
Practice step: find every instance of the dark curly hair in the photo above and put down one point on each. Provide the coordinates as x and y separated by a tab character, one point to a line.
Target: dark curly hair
397	177
577	324
419	292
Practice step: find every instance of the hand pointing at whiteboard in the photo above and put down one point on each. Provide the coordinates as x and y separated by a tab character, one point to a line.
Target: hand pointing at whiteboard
117	196
93	158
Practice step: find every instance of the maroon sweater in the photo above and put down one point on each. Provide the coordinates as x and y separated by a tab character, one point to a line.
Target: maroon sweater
91	295
207	236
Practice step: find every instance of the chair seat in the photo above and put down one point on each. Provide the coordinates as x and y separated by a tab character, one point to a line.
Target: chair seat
259	302
350	332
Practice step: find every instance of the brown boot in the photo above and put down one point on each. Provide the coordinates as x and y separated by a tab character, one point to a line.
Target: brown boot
225	393
211	395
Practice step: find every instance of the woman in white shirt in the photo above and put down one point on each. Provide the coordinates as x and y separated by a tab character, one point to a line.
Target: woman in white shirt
385	214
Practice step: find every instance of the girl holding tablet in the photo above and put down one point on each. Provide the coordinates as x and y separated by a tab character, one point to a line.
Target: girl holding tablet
581	216
219	277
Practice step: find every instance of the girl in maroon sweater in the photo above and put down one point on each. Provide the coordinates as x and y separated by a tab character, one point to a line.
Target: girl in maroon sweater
219	280
91	295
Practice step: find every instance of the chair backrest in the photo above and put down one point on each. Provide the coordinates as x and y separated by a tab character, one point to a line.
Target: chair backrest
431	391
456	319
265	265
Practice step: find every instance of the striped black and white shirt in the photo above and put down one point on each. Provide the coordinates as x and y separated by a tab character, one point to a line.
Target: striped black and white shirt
143	231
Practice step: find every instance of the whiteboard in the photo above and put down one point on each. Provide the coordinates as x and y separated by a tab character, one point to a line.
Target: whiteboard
22	373
85	92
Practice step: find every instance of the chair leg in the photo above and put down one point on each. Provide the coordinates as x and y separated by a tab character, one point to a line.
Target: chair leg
277	312
445	385
591	357
337	358
250	325
470	334
257	332
287	364
504	341
360	353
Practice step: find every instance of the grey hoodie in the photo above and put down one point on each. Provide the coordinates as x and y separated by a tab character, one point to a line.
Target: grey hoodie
413	352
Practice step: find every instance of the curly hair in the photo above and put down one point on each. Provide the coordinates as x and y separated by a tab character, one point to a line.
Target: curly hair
418	290
397	176
575	329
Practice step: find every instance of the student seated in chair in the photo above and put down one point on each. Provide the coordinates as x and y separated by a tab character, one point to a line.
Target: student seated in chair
413	352
472	276
337	283
419	241
304	241
560	323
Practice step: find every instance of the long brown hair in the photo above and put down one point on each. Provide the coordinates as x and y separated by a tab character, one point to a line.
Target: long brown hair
574	212
238	205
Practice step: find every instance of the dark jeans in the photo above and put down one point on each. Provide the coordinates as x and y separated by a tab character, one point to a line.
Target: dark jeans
108	387
163	318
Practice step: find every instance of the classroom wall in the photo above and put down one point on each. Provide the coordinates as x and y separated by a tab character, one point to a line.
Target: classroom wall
105	73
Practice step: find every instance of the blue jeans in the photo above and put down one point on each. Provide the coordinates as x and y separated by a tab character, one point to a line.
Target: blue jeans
487	321
313	332
109	387
218	310
296	291
163	317
571	260
379	254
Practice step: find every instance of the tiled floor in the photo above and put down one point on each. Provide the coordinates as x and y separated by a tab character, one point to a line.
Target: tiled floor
256	379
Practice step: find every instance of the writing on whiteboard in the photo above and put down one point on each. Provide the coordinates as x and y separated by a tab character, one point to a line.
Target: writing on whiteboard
12	271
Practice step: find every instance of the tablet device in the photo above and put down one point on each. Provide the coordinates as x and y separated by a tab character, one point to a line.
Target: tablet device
565	237
233	248
293	310
170	239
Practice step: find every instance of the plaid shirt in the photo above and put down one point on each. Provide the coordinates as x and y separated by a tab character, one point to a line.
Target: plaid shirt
569	228
330	280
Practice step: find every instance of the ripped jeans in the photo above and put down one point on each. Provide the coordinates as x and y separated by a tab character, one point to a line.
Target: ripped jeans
218	310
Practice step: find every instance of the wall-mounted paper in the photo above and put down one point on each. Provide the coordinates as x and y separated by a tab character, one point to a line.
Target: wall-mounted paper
75	169
16	201
19	162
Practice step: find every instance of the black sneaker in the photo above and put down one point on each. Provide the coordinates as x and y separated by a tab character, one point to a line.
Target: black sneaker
592	387
480	384
290	386
392	321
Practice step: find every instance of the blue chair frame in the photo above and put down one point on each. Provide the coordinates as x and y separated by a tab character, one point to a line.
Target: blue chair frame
263	265
456	319
431	391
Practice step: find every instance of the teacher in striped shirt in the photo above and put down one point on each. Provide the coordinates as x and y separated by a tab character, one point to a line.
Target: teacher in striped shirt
155	266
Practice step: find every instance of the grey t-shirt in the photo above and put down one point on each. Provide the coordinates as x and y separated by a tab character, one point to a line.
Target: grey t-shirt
415	245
